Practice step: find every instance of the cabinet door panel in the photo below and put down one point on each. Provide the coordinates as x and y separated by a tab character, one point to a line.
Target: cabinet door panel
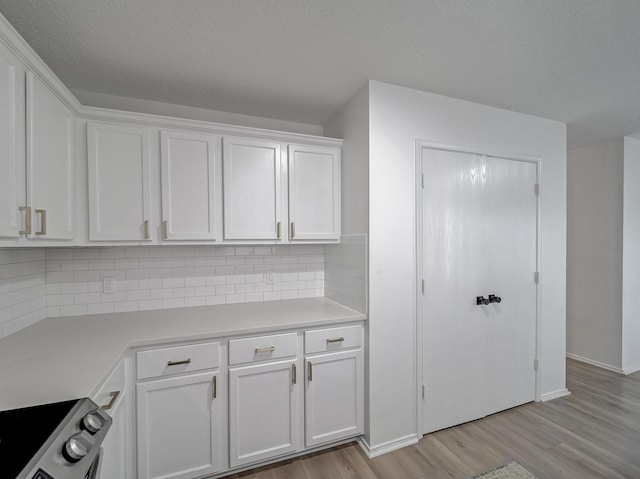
178	427
116	445
263	412
12	159
334	397
252	198
188	186
119	187
314	193
50	162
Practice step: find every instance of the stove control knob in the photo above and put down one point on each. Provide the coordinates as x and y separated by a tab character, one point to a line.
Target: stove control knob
78	446
95	420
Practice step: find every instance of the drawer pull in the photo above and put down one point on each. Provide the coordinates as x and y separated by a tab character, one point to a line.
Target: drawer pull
270	349
294	374
177	363
114	396
215	387
337	340
310	371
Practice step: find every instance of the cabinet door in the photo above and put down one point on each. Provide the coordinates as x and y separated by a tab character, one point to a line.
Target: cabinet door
334	400
188	163
263	412
314	193
50	162
178	427
119	185
117	445
252	196
12	138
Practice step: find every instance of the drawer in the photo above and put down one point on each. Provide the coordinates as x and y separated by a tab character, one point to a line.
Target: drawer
177	360
332	339
112	389
263	348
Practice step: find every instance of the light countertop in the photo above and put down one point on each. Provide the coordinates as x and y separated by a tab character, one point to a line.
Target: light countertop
64	358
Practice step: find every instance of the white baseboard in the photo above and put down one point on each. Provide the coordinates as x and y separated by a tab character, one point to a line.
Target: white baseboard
386	447
597	364
560	393
634	368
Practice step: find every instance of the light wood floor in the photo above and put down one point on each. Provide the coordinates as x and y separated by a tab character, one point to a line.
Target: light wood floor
594	433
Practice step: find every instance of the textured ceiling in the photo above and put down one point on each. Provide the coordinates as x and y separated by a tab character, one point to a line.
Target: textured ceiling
575	61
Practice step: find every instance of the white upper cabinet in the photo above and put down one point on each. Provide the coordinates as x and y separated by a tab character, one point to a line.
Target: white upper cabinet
119	184
252	189
314	193
50	162
12	143
189	194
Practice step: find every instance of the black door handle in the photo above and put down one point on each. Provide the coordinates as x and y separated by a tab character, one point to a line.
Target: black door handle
481	300
495	299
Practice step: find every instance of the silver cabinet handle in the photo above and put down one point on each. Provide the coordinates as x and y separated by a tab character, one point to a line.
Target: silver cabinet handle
114	396
43	222
146	229
336	340
278	232
270	349
215	387
27	220
294	374
177	363
293	229
165	229
309	371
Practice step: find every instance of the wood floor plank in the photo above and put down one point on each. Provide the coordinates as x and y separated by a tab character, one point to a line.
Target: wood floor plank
593	433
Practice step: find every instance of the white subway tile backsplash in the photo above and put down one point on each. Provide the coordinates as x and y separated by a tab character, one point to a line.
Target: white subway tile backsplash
51	282
22	289
345	274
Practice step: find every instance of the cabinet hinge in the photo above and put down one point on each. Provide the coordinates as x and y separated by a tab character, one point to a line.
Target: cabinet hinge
535	364
536	189
422	180
536	277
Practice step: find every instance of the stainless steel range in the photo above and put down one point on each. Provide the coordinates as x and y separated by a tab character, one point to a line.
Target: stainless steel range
53	441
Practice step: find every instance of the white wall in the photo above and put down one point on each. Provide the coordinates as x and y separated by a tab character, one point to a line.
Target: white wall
352	125
631	257
103	100
398	116
594	253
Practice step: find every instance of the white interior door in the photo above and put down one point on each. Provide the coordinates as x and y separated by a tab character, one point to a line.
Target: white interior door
479	217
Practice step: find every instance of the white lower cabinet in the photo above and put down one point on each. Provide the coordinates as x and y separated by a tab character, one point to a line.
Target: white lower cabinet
179	413
178	427
286	392
118	453
263	412
334	394
333	397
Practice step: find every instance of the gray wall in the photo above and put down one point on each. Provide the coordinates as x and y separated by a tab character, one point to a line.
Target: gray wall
594	253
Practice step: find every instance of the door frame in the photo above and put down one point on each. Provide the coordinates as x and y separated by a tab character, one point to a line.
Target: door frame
425	144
